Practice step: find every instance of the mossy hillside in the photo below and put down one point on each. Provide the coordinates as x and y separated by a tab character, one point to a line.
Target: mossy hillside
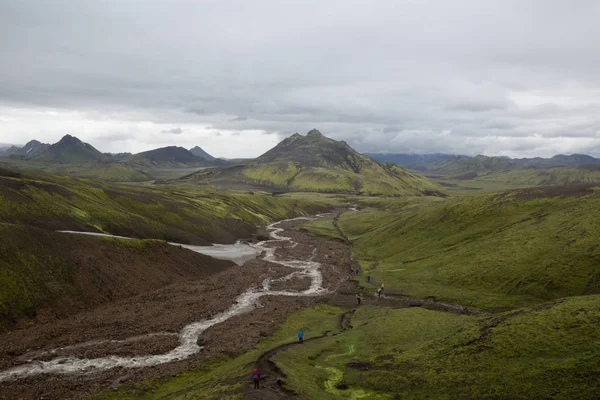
33	273
189	214
389	181
552	351
519	173
227	378
476	165
27	279
326	199
316	163
105	170
324	228
68	273
545	176
494	251
101	171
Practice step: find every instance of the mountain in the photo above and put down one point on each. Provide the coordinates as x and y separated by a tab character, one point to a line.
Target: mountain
452	164
167	157
198	152
33	148
70	150
8	151
559	160
317	163
413	161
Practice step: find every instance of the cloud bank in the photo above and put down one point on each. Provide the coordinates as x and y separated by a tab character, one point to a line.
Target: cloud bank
515	78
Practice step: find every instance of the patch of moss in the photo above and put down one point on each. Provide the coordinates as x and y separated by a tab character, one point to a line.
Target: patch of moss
551	351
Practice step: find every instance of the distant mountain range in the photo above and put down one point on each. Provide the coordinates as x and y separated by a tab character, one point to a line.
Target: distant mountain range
557	170
71	150
450	162
317	163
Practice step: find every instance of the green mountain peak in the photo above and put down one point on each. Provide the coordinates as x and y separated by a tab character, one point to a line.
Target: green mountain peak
317	163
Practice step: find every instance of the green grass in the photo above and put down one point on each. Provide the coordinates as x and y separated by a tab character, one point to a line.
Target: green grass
179	213
495	251
544	176
484	181
324	228
227	378
549	352
375	180
101	170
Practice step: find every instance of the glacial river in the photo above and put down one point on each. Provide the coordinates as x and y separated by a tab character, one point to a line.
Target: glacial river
188	336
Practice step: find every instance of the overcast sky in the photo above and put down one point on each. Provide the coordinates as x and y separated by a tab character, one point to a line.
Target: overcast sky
517	78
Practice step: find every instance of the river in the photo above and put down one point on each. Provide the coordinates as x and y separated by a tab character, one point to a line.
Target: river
189	335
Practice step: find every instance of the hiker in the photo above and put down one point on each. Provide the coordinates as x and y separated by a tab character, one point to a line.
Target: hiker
379	292
358	298
256	378
368	278
381	288
300	336
356	271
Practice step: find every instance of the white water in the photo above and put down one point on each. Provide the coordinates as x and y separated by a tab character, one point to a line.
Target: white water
238	252
188	336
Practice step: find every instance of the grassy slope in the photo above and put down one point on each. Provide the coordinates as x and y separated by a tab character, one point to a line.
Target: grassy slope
40	268
494	251
316	163
226	379
112	172
188	214
390	181
544	176
549	352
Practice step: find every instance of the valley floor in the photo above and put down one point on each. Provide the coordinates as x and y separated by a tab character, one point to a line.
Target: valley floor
386	347
104	331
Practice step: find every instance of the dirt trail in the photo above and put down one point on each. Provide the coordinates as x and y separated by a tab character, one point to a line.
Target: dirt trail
272	377
428	303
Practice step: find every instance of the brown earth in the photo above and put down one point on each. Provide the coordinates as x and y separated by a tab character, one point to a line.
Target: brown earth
298	284
166	310
96	270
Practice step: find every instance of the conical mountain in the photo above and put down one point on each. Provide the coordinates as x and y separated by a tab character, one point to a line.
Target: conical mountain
169	157
317	163
200	153
70	150
167	154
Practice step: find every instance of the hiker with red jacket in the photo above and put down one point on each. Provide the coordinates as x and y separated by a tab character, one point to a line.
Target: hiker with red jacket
256	378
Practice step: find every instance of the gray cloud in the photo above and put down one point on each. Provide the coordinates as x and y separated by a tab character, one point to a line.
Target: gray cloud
174	131
511	77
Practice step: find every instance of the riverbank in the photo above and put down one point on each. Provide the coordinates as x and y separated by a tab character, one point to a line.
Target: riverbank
105	330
